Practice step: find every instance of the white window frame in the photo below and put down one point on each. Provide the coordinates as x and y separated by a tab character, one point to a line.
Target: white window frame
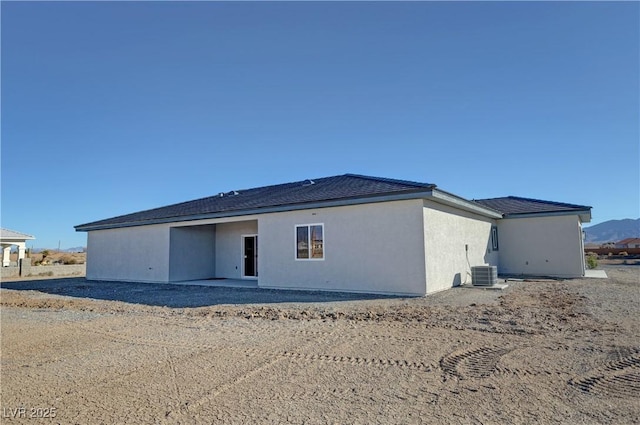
295	242
494	238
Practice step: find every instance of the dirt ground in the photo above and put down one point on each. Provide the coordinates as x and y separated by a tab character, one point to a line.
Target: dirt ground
537	352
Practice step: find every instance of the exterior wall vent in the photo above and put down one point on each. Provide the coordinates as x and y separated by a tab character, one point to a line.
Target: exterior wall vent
484	275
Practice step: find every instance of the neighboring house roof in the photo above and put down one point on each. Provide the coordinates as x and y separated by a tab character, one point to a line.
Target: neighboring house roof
12	235
514	206
628	241
337	188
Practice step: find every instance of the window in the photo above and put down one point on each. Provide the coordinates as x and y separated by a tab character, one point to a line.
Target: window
494	238
310	242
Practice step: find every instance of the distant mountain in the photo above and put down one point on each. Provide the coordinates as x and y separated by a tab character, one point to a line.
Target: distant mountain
74	249
613	231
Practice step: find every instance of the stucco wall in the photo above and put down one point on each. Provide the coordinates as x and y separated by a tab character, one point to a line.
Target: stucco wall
371	248
192	253
139	254
545	246
229	255
57	270
11	271
446	232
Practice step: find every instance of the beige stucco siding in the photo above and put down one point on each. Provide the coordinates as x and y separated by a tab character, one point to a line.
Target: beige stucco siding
446	233
374	247
139	254
192	253
229	255
548	246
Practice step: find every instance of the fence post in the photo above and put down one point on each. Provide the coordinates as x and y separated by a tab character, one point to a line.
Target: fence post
25	266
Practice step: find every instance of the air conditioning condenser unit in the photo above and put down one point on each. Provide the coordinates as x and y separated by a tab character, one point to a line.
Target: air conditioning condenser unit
484	275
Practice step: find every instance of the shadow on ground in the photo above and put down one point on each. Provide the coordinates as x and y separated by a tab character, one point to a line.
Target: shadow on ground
178	296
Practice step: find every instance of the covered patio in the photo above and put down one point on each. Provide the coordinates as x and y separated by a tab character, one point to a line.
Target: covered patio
9	238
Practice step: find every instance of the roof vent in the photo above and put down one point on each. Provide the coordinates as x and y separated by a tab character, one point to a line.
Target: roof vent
232	193
221	194
308	182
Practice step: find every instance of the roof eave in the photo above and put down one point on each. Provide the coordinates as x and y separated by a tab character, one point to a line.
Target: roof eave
17	239
455	201
405	195
585	214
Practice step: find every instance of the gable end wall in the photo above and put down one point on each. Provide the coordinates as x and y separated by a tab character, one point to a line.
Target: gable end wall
541	246
374	248
446	232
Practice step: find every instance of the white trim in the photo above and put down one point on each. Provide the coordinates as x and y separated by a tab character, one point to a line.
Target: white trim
585	215
455	201
495	244
242	241
295	242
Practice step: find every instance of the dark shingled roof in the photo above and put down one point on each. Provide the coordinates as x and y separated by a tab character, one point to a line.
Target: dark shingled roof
513	205
347	186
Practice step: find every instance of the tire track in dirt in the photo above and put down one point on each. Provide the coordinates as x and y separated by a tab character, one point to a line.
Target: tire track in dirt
251	352
196	349
12	368
618	378
482	362
162	343
346	335
478	362
273	357
194	405
174	379
357	361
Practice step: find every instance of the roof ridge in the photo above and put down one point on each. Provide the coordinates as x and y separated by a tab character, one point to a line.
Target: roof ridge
542	201
390	180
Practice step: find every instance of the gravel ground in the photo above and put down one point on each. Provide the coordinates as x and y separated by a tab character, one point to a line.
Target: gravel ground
109	353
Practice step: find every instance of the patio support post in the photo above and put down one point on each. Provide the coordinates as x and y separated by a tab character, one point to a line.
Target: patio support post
6	255
21	250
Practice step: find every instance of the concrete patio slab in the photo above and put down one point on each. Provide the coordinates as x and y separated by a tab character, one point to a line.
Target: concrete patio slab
596	274
223	283
497	286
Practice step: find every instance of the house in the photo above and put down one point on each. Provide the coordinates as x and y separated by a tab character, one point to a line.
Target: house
628	243
342	233
9	238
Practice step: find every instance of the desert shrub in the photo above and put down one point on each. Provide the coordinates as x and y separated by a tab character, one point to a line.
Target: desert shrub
592	260
45	253
66	259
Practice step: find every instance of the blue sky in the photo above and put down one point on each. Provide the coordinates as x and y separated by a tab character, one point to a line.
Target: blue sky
114	107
